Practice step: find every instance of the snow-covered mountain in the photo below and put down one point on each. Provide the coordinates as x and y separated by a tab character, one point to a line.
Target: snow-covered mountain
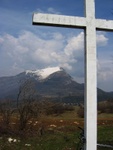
51	82
43	73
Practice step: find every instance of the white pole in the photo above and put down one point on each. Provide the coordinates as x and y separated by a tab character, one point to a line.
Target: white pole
90	78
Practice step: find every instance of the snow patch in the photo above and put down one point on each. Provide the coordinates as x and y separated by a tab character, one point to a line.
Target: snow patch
44	73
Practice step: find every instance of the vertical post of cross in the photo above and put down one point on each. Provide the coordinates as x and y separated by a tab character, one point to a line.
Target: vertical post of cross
90	77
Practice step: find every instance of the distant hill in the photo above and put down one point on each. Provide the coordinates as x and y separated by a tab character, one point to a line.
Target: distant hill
53	83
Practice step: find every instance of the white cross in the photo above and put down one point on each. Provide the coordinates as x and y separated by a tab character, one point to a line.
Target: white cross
90	24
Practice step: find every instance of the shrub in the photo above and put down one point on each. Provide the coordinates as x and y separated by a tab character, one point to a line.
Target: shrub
80	111
105	107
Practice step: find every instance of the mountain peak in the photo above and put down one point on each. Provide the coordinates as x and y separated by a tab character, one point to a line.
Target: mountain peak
44	73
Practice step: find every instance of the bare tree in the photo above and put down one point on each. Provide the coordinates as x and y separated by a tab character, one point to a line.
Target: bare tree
25	100
6	111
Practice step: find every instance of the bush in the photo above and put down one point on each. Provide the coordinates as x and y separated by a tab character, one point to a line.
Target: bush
80	112
105	107
57	108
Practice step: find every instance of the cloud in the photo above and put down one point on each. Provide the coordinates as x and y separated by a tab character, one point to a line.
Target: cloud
105	69
53	11
101	39
52	49
49	10
32	51
75	43
105	74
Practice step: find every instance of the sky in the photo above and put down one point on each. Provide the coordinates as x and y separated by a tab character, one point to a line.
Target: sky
24	46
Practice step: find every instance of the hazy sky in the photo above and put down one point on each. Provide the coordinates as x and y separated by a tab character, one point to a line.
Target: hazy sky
24	46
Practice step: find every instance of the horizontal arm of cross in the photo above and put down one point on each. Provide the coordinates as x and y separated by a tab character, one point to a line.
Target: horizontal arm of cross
104	24
58	20
69	21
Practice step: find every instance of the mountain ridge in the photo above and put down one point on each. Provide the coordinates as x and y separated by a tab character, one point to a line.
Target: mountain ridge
44	73
57	83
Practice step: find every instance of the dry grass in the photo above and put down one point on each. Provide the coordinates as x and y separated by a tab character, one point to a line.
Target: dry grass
59	132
